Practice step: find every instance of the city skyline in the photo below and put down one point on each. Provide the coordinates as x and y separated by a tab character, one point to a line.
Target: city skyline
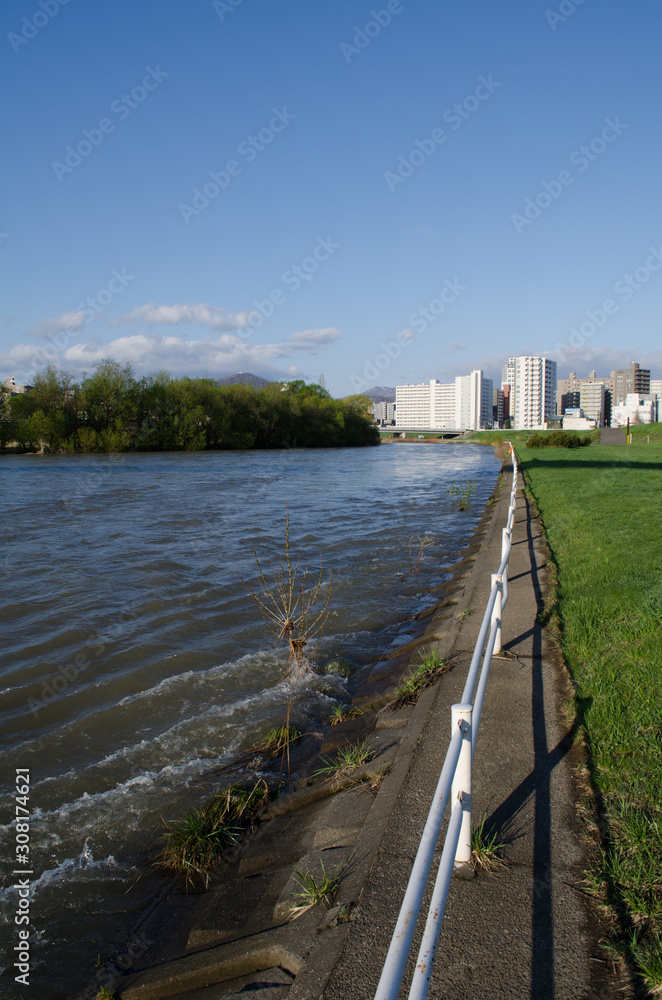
351	198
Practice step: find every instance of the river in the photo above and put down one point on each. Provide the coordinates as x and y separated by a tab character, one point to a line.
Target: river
135	663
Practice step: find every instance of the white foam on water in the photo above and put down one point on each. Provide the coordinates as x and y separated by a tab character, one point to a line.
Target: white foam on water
68	869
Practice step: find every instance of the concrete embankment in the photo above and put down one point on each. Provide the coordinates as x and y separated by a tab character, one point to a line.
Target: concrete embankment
529	932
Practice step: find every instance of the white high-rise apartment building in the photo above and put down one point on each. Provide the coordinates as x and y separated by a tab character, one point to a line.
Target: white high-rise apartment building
465	404
532	382
426	406
473	401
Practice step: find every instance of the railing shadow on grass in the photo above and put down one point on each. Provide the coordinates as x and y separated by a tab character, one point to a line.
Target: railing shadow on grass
538	782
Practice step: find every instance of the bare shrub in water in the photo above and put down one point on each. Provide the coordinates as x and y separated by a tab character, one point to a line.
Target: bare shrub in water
294	607
416	554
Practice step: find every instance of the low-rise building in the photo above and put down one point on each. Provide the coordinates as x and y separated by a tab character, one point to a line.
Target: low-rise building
14	388
576	420
638	408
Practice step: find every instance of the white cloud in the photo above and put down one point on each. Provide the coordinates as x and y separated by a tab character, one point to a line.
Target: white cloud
44	329
326	336
148	352
457	345
214	317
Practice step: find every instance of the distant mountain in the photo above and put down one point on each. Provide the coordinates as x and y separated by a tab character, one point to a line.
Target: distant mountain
244	378
381	394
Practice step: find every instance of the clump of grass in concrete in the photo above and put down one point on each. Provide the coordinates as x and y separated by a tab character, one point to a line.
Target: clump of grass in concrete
432	667
501	451
341	713
314	889
461	495
105	993
461	615
193	845
347	759
373	780
278	739
603	520
486	849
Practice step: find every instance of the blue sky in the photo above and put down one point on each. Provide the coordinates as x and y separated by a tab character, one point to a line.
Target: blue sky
364	174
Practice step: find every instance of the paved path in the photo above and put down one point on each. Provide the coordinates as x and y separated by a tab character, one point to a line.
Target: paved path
612	435
528	932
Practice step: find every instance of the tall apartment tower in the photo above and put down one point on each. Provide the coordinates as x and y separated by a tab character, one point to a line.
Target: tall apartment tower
532	382
592	401
629	380
497	408
473	401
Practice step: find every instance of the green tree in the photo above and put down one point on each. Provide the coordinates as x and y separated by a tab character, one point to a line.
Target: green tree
110	396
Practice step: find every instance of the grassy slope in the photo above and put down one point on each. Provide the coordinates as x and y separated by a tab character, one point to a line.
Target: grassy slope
519	437
602	511
642	431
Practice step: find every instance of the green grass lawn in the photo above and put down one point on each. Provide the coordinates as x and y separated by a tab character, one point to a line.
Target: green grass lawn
602	512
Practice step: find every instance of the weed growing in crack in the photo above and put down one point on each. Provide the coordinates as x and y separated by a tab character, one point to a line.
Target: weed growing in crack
432	667
486	849
314	890
347	759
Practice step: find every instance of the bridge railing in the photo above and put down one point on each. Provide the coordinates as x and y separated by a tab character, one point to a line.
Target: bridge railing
454	784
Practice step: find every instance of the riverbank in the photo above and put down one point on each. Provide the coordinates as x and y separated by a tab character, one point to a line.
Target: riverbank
265	865
240	936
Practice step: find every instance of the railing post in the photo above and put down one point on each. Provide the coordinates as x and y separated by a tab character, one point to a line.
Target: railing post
461	715
498	610
505	542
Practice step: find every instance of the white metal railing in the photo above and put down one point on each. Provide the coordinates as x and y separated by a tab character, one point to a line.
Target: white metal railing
454	784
